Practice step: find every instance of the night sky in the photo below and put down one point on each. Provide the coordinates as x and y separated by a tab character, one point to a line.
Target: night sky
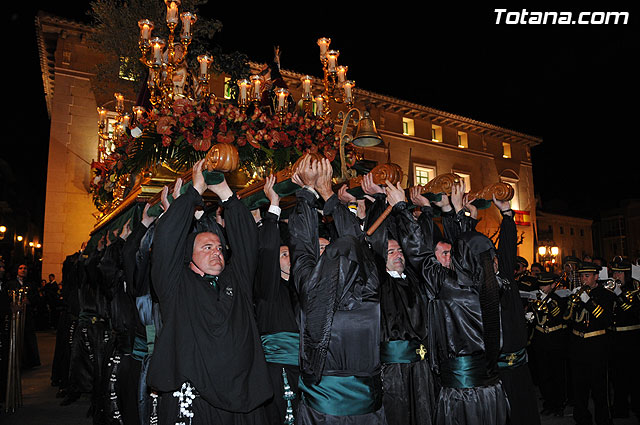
574	86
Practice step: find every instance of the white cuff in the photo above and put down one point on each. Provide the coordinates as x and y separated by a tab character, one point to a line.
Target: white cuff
274	209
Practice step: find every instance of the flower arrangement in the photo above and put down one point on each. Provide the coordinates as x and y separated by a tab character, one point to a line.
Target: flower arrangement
180	135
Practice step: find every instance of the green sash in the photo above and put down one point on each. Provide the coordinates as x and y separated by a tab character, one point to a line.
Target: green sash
139	348
343	395
401	351
281	347
465	372
512	360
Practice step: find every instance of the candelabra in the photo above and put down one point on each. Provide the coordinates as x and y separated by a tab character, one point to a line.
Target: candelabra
169	76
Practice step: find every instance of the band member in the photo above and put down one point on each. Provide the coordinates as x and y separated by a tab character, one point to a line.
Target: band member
589	315
549	344
626	342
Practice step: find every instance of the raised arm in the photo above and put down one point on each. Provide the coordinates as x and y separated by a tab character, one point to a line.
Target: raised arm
172	229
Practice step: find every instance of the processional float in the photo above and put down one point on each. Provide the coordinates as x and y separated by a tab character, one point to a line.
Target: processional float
239	139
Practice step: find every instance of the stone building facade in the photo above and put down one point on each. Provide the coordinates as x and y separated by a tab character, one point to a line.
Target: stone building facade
424	141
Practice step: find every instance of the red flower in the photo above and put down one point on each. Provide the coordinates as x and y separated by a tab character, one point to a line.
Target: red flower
166	141
164	125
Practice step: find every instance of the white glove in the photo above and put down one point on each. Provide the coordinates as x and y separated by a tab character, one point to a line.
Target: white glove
617	290
529	316
542	294
584	297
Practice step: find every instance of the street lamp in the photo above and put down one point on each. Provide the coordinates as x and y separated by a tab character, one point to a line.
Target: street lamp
548	254
3	230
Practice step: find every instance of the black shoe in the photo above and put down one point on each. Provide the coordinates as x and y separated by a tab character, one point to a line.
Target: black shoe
546	412
558	412
70	398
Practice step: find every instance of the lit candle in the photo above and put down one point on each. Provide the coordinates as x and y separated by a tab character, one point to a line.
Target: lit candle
332	60
306	87
205	61
348	85
188	19
102	115
138	111
342	73
158	45
125	120
282	94
119	102
172	11
323	43
256	83
319	105
145	29
242	95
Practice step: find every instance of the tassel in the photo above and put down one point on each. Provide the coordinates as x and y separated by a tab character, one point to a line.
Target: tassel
289	395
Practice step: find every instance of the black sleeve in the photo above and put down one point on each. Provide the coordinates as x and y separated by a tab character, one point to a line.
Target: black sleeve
303	232
507	247
169	243
242	236
129	252
345	221
415	239
268	271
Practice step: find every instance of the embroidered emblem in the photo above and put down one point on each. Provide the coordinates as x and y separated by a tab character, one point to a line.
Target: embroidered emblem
421	352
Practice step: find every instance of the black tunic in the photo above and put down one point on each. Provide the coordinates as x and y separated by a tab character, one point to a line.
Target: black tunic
209	337
340	318
459	328
277	310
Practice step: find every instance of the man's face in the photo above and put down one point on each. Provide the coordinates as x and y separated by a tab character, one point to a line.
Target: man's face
395	257
323	244
207	254
589	278
443	253
535	270
285	262
619	276
22	271
51	278
520	268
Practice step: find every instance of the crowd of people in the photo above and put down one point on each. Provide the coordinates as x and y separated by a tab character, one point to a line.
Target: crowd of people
310	316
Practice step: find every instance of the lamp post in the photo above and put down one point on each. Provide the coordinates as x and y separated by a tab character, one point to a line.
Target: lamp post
547	254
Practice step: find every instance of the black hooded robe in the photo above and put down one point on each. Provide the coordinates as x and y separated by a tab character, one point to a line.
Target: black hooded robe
464	320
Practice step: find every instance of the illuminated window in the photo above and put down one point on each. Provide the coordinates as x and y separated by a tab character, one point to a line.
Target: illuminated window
407	127
227	87
436	133
423	174
467	180
506	150
463	142
515	202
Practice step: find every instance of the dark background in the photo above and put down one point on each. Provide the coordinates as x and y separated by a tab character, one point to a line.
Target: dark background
574	86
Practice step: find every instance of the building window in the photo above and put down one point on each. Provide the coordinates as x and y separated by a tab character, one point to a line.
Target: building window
227	87
581	232
515	201
436	133
561	230
407	127
466	178
463	141
423	174
571	231
506	150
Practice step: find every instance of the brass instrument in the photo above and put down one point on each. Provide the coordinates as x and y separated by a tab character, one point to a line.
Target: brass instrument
542	306
630	294
575	298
